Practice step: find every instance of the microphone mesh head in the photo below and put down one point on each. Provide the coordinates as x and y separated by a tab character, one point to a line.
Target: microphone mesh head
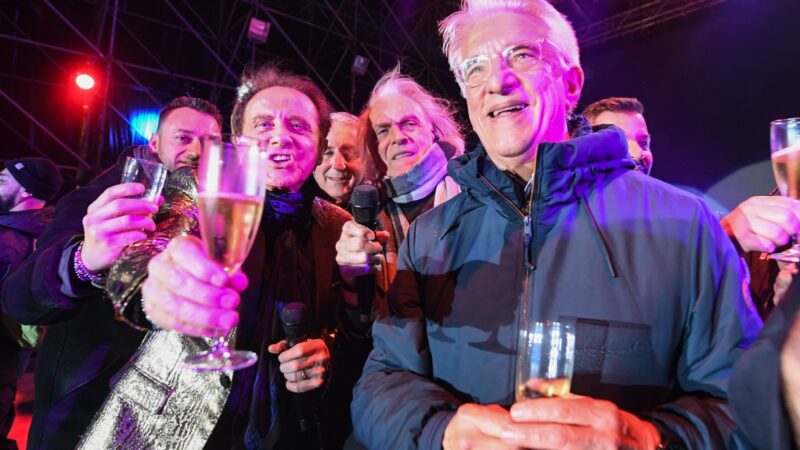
365	203
293	313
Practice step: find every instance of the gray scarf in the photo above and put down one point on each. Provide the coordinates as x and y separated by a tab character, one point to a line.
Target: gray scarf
421	179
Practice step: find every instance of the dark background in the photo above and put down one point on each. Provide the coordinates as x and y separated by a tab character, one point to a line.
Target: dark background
711	79
711	83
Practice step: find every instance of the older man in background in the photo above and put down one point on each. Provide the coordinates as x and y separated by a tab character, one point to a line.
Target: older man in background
341	166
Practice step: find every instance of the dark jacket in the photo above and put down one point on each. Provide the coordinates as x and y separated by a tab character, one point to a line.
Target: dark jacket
643	270
197	409
18	233
756	390
84	345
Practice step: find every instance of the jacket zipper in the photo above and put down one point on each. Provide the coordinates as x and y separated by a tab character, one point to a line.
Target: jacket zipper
530	264
527	232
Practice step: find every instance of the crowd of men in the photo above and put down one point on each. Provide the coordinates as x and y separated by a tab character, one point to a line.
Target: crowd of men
536	223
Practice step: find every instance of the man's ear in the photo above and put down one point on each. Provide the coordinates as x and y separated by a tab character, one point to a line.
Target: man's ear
573	85
153	144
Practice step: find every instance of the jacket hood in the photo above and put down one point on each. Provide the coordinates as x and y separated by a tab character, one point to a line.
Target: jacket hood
31	222
563	170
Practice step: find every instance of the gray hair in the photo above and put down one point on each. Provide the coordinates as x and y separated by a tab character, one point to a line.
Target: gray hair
454	28
438	110
343	118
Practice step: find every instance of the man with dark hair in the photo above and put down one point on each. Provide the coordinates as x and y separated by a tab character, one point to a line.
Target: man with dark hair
627	114
26	184
292	260
59	285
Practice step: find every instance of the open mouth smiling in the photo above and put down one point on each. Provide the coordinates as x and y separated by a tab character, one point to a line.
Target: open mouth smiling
507	110
403	154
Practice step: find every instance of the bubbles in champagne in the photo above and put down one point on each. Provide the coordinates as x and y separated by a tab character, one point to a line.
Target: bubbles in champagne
228	224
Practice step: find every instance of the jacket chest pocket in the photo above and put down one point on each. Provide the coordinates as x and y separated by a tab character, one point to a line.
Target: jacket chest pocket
616	361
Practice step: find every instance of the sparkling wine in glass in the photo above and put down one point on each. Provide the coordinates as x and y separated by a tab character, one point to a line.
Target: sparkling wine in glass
785	147
545	360
231	184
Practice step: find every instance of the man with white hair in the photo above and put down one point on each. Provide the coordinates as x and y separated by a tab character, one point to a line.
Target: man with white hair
407	135
547	228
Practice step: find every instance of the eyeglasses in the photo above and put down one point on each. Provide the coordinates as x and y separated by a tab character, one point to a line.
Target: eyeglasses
518	57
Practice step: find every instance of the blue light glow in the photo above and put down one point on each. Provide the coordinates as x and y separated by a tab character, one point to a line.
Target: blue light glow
143	124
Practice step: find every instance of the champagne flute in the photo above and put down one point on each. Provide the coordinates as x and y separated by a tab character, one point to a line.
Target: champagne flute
231	189
545	360
785	148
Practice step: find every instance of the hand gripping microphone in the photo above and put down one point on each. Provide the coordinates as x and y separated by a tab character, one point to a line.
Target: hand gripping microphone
293	319
366	207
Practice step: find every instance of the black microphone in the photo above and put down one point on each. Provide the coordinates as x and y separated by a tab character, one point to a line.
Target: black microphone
293	319
366	207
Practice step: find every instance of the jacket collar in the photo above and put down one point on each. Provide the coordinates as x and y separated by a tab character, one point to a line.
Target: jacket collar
31	222
563	172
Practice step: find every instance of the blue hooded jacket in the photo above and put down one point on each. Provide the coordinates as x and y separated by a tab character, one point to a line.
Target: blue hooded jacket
642	270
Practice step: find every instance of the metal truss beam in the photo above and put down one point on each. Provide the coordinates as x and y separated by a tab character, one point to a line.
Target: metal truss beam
98	51
131	65
638	19
13	130
302	56
213	53
44	129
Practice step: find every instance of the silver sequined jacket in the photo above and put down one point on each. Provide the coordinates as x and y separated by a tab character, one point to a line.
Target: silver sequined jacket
154	402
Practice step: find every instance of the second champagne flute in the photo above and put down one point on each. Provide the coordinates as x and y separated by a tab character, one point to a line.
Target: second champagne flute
231	177
544	360
785	148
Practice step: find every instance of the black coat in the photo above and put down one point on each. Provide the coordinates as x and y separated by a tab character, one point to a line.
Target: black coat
18	233
84	345
756	387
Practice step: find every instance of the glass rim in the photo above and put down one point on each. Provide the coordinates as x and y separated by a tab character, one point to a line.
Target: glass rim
145	161
785	121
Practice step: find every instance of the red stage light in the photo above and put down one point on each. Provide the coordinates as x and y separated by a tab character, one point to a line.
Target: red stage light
84	81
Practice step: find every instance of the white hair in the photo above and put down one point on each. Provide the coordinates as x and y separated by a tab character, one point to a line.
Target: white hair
343	118
455	27
438	110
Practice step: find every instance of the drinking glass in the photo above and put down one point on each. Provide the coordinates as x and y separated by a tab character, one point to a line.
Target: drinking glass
544	360
785	148
231	188
151	174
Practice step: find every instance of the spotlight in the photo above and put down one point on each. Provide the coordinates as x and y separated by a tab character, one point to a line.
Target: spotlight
258	31
84	81
359	66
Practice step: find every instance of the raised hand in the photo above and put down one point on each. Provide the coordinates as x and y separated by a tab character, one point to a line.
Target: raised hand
763	223
112	222
187	292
